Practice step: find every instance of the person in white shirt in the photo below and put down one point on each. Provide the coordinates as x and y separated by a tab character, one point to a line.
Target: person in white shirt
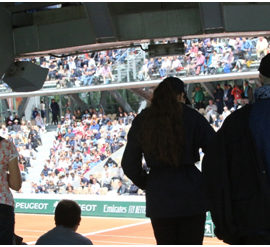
261	47
95	187
210	109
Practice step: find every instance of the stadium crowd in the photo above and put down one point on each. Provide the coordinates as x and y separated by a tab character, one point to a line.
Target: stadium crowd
25	136
226	100
82	142
208	56
85	139
202	56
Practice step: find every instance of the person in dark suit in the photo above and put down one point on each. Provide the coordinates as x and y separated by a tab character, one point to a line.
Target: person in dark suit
55	111
236	170
169	134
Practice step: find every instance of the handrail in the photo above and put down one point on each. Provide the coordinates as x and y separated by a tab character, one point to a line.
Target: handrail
128	85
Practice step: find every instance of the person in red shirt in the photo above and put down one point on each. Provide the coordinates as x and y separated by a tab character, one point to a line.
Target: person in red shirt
237	93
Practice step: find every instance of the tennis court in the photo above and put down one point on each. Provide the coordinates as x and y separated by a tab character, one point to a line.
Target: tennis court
101	230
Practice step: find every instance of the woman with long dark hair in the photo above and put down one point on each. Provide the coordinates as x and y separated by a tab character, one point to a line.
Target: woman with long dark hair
169	134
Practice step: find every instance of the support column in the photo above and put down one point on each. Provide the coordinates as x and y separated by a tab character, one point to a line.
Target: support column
123	103
209	88
103	100
22	106
77	101
145	93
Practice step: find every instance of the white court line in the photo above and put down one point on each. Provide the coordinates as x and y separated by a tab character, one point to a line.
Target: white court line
116	228
123	236
115	243
108	230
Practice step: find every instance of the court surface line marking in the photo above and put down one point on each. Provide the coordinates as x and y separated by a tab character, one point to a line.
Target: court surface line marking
113	242
110	229
123	236
116	228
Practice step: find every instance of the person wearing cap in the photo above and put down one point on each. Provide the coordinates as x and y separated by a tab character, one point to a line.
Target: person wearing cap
236	169
169	134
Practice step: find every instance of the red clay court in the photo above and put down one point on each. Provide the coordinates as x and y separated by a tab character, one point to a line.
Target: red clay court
101	230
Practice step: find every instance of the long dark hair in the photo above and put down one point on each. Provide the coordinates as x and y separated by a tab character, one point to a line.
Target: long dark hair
163	132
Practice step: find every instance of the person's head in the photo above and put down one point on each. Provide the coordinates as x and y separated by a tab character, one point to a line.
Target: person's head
264	70
68	214
170	90
160	135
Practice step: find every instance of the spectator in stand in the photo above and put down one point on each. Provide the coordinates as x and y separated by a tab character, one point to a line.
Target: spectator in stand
16	127
95	187
76	163
42	111
247	48
226	112
45	170
216	57
86	78
210	110
65	231
34	113
209	49
238	47
153	67
52	70
39	122
248	93
144	71
201	46
55	111
106	179
161	133
261	47
199	63
16	117
207	68
199	98
121	188
176	65
237	93
84	181
165	67
228	97
106	73
228	60
219	95
4	131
